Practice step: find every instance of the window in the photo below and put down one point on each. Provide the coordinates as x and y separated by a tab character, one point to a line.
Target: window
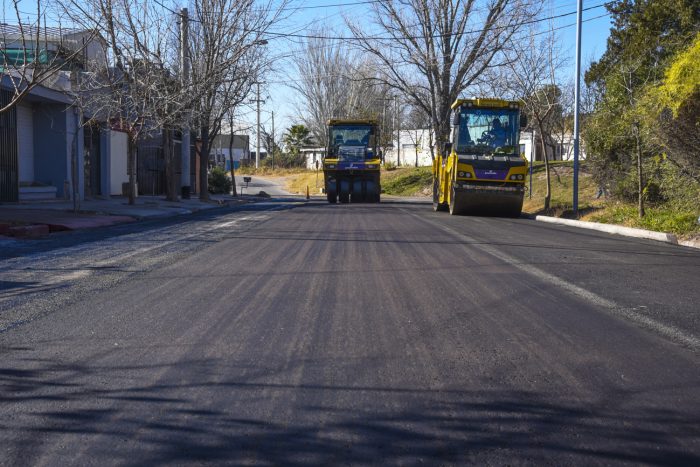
487	130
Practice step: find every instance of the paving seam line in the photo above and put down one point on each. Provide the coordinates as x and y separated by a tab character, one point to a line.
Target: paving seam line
672	333
620	230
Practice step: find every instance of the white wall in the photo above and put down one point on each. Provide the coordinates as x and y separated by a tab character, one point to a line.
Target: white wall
527	145
410	141
314	155
25	142
118	147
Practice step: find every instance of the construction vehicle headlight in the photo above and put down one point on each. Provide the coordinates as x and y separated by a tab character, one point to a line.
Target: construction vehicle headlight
460	174
513	177
521	177
371	166
467	175
330	166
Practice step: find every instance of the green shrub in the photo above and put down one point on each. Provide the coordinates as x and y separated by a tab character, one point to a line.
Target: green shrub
218	181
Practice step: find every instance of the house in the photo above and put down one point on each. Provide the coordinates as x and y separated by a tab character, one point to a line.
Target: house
413	148
40	141
46	150
313	157
220	155
56	45
563	149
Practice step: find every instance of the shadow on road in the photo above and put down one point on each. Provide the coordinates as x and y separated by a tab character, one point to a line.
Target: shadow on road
106	415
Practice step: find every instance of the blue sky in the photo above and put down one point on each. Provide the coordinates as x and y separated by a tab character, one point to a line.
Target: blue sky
305	14
280	98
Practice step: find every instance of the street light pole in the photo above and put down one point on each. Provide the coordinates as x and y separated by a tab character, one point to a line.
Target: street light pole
185	81
272	146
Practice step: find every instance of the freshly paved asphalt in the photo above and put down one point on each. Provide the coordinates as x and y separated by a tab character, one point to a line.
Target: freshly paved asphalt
306	334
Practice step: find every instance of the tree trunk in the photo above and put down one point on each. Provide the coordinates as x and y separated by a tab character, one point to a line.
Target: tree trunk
132	170
640	177
545	158
204	165
230	157
170	176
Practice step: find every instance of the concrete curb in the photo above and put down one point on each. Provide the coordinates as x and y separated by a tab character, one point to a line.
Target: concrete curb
620	230
690	243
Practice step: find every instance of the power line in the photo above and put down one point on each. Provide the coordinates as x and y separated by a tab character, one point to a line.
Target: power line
349	38
397	64
435	36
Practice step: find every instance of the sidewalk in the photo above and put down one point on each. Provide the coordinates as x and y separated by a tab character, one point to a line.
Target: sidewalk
35	219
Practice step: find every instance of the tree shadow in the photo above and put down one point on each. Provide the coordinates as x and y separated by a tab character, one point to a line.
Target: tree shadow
202	413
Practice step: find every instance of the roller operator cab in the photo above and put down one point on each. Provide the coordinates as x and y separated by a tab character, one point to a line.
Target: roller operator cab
481	171
351	165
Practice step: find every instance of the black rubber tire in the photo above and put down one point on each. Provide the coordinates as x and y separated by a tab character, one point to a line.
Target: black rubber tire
437	206
344	191
357	196
452	205
453	208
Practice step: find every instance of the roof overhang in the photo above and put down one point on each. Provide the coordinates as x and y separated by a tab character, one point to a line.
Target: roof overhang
37	93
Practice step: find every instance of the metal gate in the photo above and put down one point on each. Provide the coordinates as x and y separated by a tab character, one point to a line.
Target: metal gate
91	141
151	170
9	178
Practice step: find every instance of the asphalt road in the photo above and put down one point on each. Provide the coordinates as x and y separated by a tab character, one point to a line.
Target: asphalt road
307	334
270	185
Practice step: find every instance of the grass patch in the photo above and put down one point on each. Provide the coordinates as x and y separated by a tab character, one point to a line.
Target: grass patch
562	182
667	217
407	181
397	181
662	218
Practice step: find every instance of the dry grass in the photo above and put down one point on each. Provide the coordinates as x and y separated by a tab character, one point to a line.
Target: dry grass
297	183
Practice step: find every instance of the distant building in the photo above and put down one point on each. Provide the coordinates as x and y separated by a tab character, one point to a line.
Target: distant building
414	148
220	154
314	157
563	149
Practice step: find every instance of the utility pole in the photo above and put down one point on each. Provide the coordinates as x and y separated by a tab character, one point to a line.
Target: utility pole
185	82
257	152
577	103
272	146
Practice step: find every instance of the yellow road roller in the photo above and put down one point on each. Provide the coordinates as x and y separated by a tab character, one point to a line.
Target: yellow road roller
481	171
352	162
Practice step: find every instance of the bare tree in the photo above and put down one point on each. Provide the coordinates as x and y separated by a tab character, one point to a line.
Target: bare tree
337	82
432	50
417	122
226	46
530	75
134	87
